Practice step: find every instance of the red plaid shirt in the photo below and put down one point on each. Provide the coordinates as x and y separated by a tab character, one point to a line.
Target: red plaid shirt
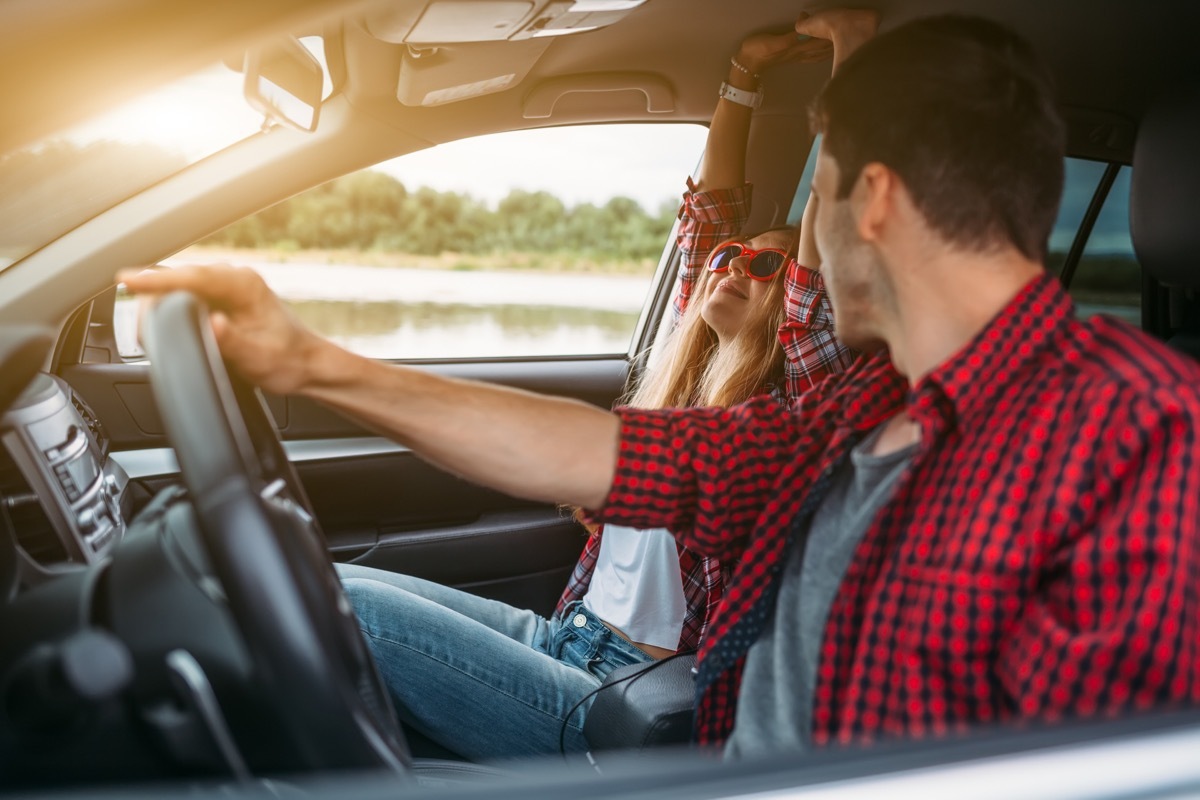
705	220
1039	557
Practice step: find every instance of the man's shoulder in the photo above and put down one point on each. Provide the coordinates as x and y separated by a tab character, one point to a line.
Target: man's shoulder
1112	356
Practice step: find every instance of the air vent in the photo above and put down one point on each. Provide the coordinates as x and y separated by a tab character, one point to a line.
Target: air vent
34	532
93	424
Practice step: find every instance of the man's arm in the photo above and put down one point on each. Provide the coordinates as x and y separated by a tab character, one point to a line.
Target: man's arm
532	446
542	448
1115	625
708	474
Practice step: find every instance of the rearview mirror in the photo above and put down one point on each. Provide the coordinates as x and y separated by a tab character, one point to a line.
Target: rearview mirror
285	82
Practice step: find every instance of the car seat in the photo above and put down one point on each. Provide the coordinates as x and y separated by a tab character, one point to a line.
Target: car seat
1163	205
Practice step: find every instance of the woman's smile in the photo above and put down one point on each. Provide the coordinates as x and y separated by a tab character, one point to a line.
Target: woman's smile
728	285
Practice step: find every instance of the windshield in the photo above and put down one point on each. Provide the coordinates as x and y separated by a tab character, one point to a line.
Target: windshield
65	179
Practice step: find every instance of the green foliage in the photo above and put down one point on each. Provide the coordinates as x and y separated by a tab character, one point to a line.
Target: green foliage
1109	282
1108	273
1101	273
374	211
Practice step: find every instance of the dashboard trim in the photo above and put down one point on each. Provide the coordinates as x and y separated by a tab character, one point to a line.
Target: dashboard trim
160	461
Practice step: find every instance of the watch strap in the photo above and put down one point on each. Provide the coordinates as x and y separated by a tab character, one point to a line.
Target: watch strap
741	96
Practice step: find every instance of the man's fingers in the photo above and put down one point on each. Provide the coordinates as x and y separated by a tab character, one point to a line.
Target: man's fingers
219	322
158	280
220	285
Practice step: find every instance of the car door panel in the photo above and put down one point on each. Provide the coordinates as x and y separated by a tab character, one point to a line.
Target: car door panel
121	395
379	504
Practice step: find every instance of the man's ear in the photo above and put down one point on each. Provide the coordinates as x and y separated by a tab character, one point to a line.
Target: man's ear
873	199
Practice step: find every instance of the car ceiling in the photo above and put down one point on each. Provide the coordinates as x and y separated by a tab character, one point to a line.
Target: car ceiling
1103	54
60	61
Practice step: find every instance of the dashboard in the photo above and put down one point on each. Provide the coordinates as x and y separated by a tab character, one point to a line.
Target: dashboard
65	498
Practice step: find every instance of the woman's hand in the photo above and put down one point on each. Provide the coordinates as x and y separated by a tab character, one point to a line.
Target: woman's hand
762	51
842	29
834	32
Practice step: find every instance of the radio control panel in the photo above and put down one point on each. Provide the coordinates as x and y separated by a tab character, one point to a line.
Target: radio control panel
55	443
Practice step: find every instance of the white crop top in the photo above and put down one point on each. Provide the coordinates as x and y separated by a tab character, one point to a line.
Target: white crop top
636	586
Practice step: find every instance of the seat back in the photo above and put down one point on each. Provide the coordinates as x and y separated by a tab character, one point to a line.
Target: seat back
1164	203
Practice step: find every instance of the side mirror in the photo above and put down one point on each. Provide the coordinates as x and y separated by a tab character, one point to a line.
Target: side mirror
285	82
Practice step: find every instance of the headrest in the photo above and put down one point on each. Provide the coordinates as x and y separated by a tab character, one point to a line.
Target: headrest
1164	203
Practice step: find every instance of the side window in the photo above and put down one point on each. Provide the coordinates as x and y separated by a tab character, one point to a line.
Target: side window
519	244
1107	278
804	186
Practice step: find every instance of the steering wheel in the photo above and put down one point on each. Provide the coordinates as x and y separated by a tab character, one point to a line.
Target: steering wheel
266	548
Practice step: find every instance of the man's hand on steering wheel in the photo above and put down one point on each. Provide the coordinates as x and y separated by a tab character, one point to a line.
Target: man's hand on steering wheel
255	331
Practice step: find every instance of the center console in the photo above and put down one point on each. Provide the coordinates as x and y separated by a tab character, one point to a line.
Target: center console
63	494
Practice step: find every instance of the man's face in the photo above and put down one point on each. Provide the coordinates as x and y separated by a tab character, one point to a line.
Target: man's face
849	266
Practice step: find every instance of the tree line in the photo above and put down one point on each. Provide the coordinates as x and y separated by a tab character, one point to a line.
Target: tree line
371	210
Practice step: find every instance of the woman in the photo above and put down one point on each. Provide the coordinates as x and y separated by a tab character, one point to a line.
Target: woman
491	681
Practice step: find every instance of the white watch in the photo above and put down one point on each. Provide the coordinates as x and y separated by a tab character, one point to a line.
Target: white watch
741	96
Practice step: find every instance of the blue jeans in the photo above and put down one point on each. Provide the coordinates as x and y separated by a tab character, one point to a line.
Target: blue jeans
478	676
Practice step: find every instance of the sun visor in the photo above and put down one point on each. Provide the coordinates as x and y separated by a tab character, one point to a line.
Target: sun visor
449	73
461	49
460	21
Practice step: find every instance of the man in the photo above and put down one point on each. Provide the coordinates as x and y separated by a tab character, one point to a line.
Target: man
991	518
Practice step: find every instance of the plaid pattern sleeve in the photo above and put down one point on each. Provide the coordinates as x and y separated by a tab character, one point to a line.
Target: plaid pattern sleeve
705	220
701	472
810	349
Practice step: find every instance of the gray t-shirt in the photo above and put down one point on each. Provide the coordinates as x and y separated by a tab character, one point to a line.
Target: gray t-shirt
774	711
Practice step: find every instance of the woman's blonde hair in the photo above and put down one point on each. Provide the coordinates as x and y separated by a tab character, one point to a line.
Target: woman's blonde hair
694	371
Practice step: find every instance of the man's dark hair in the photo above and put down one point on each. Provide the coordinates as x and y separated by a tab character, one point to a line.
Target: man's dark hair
964	112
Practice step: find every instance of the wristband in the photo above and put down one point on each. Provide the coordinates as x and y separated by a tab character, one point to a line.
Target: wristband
740	96
739	67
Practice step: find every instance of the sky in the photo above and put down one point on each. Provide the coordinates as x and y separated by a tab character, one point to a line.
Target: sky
195	116
649	163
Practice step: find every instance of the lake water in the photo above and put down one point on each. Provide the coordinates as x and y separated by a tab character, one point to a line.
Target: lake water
385	312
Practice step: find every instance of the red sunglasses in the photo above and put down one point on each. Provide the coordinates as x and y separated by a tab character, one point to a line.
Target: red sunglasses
763	263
